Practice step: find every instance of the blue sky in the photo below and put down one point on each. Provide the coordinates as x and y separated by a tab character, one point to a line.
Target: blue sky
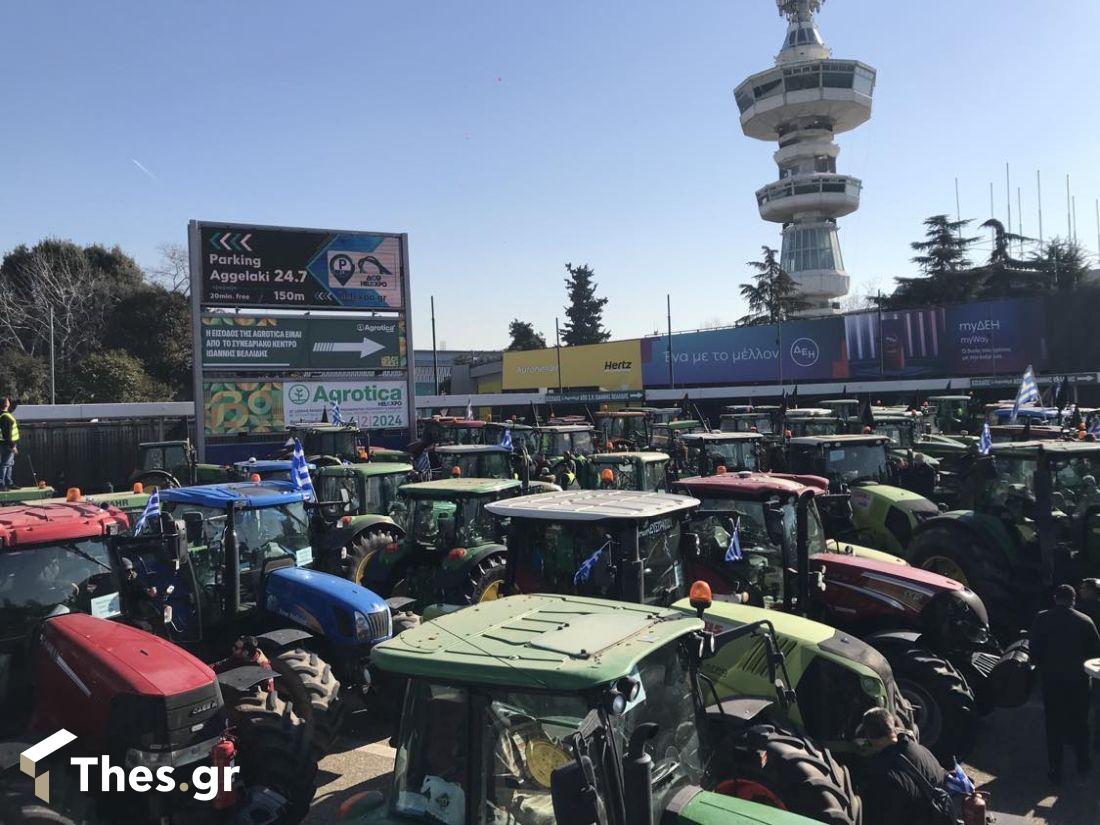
508	137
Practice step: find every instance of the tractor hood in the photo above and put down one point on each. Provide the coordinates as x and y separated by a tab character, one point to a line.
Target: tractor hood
326	604
850	566
899	497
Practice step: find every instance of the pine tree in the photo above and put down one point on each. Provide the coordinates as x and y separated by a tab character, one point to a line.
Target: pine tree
524	337
773	295
944	248
584	314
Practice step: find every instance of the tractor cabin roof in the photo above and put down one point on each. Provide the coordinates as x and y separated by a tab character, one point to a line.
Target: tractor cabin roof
1053	449
838	440
322	428
593	505
368	469
451	487
810	412
239	494
565	428
750	485
465	449
618	458
28	524
688	438
563	643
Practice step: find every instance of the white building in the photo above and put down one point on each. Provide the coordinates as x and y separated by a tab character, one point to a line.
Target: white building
802	103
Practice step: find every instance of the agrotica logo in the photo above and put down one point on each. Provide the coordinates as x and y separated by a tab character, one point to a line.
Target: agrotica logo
299	394
805	352
97	774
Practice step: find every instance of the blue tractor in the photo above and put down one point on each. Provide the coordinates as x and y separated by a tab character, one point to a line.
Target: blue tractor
234	559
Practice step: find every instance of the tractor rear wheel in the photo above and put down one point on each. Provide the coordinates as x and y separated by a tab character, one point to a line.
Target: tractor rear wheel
485	582
274	751
358	553
797	776
306	681
18	804
943	703
984	569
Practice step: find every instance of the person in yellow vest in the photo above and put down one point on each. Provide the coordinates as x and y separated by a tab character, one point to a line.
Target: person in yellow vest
9	444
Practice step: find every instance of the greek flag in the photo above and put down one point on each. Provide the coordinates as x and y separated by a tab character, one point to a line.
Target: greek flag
958	783
469	409
152	508
584	572
733	552
1095	427
299	471
1028	393
336	419
423	463
985	444
506	440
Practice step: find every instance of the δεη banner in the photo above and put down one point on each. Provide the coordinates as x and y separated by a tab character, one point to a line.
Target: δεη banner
996	336
375	405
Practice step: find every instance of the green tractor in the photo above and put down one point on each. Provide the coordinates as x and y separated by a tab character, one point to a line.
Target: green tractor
954	414
622	430
763	420
846	411
642	471
163	464
665	437
449	547
445	429
1029	518
326	444
864	505
22	495
658	415
579	711
703	454
471	461
812	421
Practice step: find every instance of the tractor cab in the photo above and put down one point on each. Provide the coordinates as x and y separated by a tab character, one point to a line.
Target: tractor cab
658	415
665	437
560	448
521	436
864	504
708	453
903	429
442	429
585	712
759	420
345	490
1037	416
845	410
641	471
473	461
622	430
326	444
450	546
174	464
811	421
953	414
266	469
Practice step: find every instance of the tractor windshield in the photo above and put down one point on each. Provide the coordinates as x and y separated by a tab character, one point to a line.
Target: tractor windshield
443	524
477	465
855	462
800	427
340	444
656	476
900	434
733	455
1011	485
659	548
557	443
164	457
57	577
625	474
746	423
265	533
340	492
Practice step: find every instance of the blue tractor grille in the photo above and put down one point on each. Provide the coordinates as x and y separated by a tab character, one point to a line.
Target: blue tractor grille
380	624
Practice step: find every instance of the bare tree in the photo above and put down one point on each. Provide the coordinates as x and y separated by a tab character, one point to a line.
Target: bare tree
863	298
173	270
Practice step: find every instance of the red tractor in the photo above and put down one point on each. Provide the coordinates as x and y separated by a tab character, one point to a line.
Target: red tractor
126	695
932	630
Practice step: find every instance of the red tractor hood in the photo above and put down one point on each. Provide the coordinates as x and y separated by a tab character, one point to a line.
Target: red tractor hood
110	658
847	566
28	524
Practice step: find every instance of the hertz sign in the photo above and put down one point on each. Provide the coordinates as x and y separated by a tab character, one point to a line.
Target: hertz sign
616	365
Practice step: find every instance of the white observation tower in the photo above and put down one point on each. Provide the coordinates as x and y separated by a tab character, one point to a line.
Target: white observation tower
802	103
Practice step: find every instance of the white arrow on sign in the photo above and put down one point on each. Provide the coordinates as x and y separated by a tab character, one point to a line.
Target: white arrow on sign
364	348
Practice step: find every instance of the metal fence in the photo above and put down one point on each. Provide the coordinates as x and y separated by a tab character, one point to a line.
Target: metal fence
92	455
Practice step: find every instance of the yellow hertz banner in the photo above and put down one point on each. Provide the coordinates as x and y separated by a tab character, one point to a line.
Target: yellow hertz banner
612	366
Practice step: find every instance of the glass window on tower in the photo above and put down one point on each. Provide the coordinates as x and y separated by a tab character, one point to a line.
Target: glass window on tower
811	248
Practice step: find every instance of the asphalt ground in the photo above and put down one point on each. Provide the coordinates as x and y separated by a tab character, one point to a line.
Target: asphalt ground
1009	763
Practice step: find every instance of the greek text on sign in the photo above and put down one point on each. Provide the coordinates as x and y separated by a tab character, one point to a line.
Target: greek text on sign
373	404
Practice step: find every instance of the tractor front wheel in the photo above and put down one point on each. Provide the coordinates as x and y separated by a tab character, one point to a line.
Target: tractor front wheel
796	775
18	804
274	751
943	703
358	553
306	682
485	582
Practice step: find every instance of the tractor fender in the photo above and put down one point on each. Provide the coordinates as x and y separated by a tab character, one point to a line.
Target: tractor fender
978	526
454	570
243	679
322	603
340	534
275	642
885	640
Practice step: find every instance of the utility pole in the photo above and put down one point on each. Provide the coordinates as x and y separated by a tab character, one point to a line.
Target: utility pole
1020	218
1039	192
435	358
557	346
1008	196
1069	212
958	208
671	374
53	385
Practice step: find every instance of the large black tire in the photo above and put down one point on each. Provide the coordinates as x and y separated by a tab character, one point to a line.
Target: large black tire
953	552
484	582
19	806
274	750
802	777
352	560
943	703
306	681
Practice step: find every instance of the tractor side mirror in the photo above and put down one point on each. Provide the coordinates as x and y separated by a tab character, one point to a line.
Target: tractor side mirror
192	528
573	792
773	520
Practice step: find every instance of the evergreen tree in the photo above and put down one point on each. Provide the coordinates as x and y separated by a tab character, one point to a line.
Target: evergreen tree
943	260
944	249
584	314
524	337
1064	263
773	294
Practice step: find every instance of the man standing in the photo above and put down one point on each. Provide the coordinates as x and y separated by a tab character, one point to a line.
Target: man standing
1061	640
9	441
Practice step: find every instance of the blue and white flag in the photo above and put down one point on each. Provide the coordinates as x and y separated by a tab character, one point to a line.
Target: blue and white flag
299	472
336	418
423	464
958	783
506	440
985	443
152	509
469	409
584	572
1028	393
733	552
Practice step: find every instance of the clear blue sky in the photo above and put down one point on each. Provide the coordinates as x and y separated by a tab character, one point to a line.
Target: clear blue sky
509	136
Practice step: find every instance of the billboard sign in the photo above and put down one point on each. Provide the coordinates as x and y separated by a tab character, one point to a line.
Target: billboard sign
795	351
896	344
284	268
376	405
615	365
252	343
232	408
995	336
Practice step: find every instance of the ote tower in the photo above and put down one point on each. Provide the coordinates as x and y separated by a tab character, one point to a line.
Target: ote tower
802	103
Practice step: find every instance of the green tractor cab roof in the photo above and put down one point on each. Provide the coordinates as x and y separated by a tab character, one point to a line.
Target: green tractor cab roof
535	642
689	438
618	458
838	440
368	469
748	485
239	494
1055	449
565	428
451	487
680	424
593	505
471	449
810	412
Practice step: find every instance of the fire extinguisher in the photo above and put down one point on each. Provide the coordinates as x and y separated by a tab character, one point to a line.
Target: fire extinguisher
974	810
222	756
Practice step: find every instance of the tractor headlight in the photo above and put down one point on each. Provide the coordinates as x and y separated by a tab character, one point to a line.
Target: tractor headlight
176	758
374	626
873	688
362	627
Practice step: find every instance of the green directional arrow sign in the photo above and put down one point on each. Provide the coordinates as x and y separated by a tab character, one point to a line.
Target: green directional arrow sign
275	344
